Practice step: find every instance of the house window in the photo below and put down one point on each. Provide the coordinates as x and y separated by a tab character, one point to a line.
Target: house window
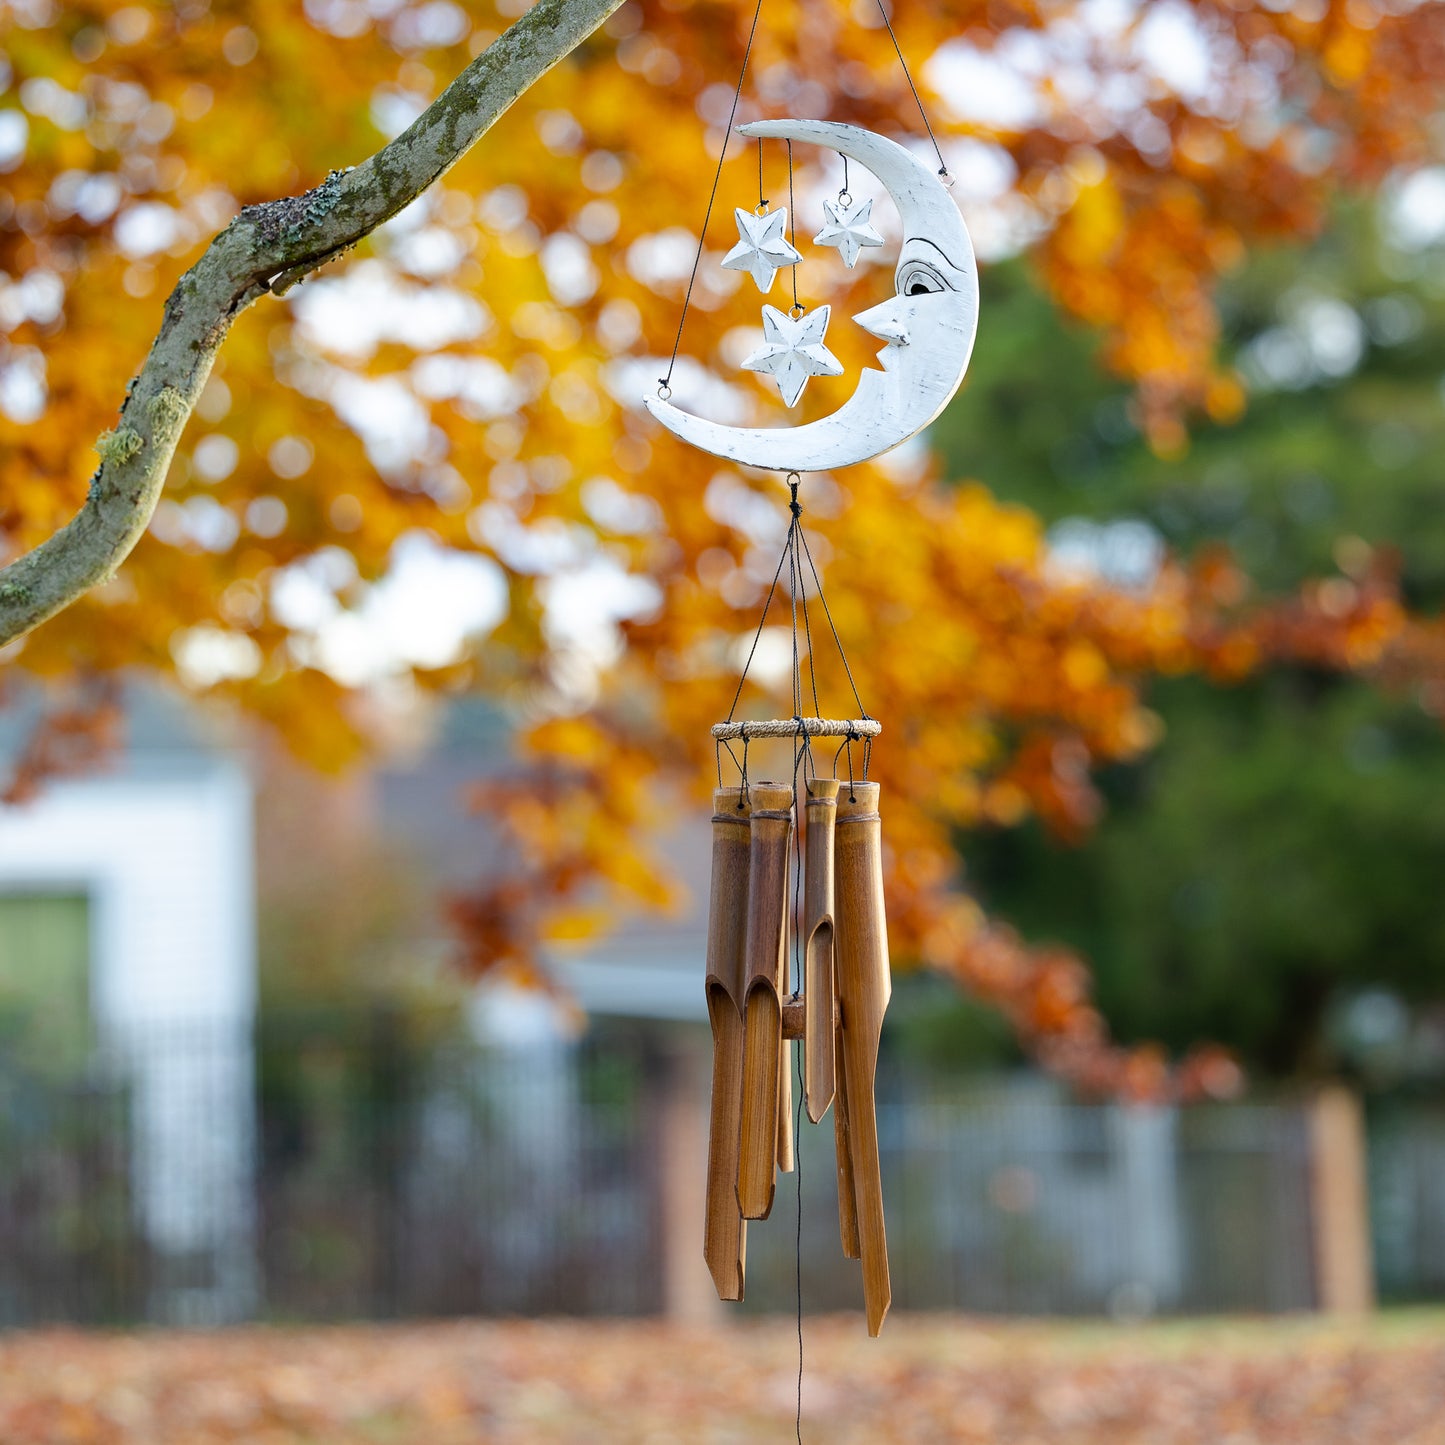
45	976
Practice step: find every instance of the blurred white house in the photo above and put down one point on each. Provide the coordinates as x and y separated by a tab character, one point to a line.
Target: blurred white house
127	921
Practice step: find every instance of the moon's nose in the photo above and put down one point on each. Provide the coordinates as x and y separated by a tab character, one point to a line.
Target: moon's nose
886	321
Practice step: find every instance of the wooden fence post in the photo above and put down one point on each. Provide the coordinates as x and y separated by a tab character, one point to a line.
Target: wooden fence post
1340	1204
688	1296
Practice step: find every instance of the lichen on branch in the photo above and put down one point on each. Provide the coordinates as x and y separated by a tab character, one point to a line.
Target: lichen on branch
266	250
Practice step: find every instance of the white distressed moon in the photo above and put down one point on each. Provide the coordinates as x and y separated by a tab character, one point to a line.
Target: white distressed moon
929	324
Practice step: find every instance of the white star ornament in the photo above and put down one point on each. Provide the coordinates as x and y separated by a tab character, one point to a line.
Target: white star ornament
848	229
792	351
762	247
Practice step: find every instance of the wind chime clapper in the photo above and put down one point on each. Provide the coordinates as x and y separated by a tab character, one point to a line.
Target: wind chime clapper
834	1010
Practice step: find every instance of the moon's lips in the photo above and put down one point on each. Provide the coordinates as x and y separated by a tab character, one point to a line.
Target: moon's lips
929	325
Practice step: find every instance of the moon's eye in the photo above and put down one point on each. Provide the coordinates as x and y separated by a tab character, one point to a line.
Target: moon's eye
919	279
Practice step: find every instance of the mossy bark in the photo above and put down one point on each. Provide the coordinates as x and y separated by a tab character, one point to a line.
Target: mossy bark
267	249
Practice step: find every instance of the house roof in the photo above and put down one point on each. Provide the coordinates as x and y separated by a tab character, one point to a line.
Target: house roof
651	966
165	733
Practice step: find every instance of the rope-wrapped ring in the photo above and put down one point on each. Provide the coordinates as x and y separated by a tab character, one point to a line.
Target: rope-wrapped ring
813	727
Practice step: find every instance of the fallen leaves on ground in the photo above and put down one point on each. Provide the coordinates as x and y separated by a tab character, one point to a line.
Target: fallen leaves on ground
928	1379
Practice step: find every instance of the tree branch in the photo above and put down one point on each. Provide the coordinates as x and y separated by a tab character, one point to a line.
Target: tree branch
268	249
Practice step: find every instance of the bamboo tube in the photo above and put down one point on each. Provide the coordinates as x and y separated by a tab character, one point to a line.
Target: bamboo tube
842	1141
864	987
724	1241
843	1154
762	1007
787	1157
818	989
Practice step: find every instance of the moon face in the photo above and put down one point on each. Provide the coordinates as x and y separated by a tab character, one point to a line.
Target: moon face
928	324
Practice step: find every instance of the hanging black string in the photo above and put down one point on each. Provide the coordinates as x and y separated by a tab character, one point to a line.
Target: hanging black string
718	752
802	750
848	740
795	551
798	1244
797	677
801	593
767	603
818	584
845	192
666	381
793	226
918	99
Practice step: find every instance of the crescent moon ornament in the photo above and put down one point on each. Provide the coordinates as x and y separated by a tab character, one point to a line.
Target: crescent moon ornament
928	324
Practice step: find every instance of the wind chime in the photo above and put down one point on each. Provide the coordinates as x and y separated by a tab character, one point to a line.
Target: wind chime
800	861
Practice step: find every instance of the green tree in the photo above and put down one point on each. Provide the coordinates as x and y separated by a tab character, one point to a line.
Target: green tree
1280	850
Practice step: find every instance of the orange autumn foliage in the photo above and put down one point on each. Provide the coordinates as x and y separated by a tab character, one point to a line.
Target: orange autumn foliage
511	320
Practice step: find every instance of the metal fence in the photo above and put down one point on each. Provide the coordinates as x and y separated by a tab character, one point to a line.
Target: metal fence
1407	1198
1005	1198
332	1168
